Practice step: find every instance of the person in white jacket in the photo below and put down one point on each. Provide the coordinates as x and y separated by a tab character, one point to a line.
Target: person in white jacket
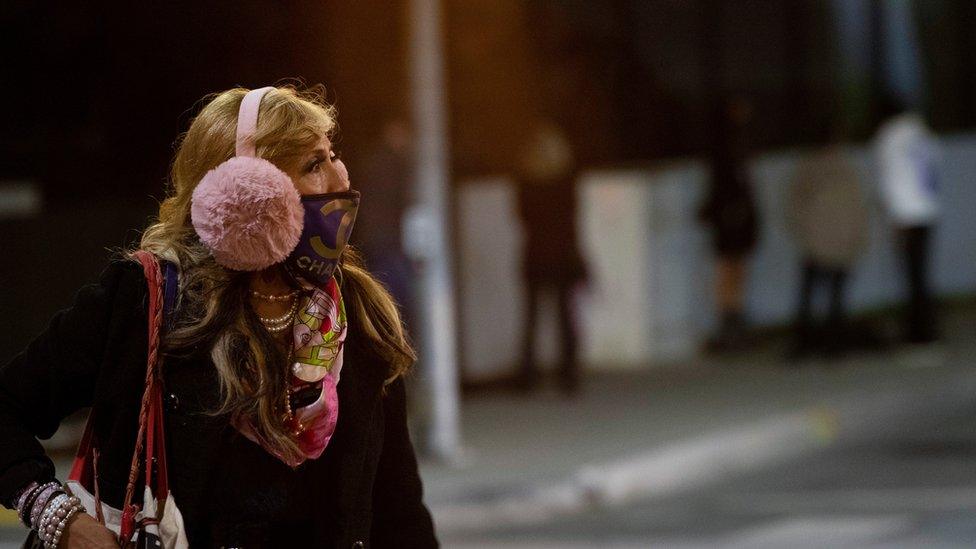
907	155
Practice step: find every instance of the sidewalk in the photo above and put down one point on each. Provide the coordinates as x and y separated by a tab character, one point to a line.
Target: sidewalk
649	433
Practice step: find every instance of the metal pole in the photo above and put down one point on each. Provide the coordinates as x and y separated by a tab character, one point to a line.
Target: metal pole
427	230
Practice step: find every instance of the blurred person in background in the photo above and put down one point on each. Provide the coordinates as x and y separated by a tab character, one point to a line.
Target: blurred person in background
257	452
906	156
551	258
387	173
827	217
729	212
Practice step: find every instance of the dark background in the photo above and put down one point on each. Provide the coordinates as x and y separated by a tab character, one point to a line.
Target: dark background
97	92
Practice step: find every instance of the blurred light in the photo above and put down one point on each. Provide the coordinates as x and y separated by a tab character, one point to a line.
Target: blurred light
19	199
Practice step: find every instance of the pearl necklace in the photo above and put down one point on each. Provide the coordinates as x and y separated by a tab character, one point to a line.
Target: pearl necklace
275	298
281	323
295	426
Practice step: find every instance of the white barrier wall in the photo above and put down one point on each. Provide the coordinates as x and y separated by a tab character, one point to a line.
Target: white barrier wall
635	310
615	309
651	299
490	286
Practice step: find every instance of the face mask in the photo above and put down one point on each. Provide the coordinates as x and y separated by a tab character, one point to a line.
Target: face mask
329	219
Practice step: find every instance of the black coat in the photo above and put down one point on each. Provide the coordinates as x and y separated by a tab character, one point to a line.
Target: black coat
551	251
94	354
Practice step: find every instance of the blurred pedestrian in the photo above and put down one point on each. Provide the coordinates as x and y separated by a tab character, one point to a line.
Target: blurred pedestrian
907	155
730	213
387	173
827	216
551	259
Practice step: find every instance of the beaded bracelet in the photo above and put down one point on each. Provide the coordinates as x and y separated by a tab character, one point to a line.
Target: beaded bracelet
44	496
30	496
41	505
62	525
24	494
26	500
47	515
47	509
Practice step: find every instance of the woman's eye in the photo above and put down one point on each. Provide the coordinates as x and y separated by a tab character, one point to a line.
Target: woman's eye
314	167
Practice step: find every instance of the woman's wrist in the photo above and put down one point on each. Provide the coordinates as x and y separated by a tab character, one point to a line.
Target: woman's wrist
55	518
48	509
64	523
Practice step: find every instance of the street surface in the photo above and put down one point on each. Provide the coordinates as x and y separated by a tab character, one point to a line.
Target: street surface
907	485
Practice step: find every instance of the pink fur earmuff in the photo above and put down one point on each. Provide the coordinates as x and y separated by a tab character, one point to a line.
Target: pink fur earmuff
246	210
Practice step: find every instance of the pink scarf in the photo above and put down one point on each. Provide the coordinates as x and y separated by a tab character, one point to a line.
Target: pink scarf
319	333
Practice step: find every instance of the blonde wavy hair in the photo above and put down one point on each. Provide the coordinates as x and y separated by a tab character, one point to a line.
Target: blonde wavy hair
212	310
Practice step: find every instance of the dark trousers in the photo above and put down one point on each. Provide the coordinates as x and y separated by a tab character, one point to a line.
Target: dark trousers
920	314
568	366
834	280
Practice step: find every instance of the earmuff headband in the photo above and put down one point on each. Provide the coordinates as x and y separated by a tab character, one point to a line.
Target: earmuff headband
246	210
247	121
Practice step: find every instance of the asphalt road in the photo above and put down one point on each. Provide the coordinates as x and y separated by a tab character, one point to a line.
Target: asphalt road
907	485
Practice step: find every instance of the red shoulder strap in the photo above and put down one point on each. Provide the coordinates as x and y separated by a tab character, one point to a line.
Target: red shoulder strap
154	279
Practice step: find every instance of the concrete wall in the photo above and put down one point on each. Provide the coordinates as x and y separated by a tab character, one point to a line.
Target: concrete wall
651	300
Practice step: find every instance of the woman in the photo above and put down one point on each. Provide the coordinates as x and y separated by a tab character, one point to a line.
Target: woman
827	215
729	211
251	356
551	258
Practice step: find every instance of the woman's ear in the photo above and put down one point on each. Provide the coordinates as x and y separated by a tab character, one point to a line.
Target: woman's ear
248	213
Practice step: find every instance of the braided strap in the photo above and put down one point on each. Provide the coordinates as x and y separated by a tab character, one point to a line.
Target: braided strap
154	279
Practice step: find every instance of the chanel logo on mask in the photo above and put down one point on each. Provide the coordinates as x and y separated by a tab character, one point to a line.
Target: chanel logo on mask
329	219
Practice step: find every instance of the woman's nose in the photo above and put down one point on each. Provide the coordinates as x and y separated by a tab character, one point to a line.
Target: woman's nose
340	181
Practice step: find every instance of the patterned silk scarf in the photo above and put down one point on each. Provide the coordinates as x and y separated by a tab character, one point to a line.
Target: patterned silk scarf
318	336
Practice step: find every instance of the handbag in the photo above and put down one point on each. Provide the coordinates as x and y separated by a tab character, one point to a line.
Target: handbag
157	521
